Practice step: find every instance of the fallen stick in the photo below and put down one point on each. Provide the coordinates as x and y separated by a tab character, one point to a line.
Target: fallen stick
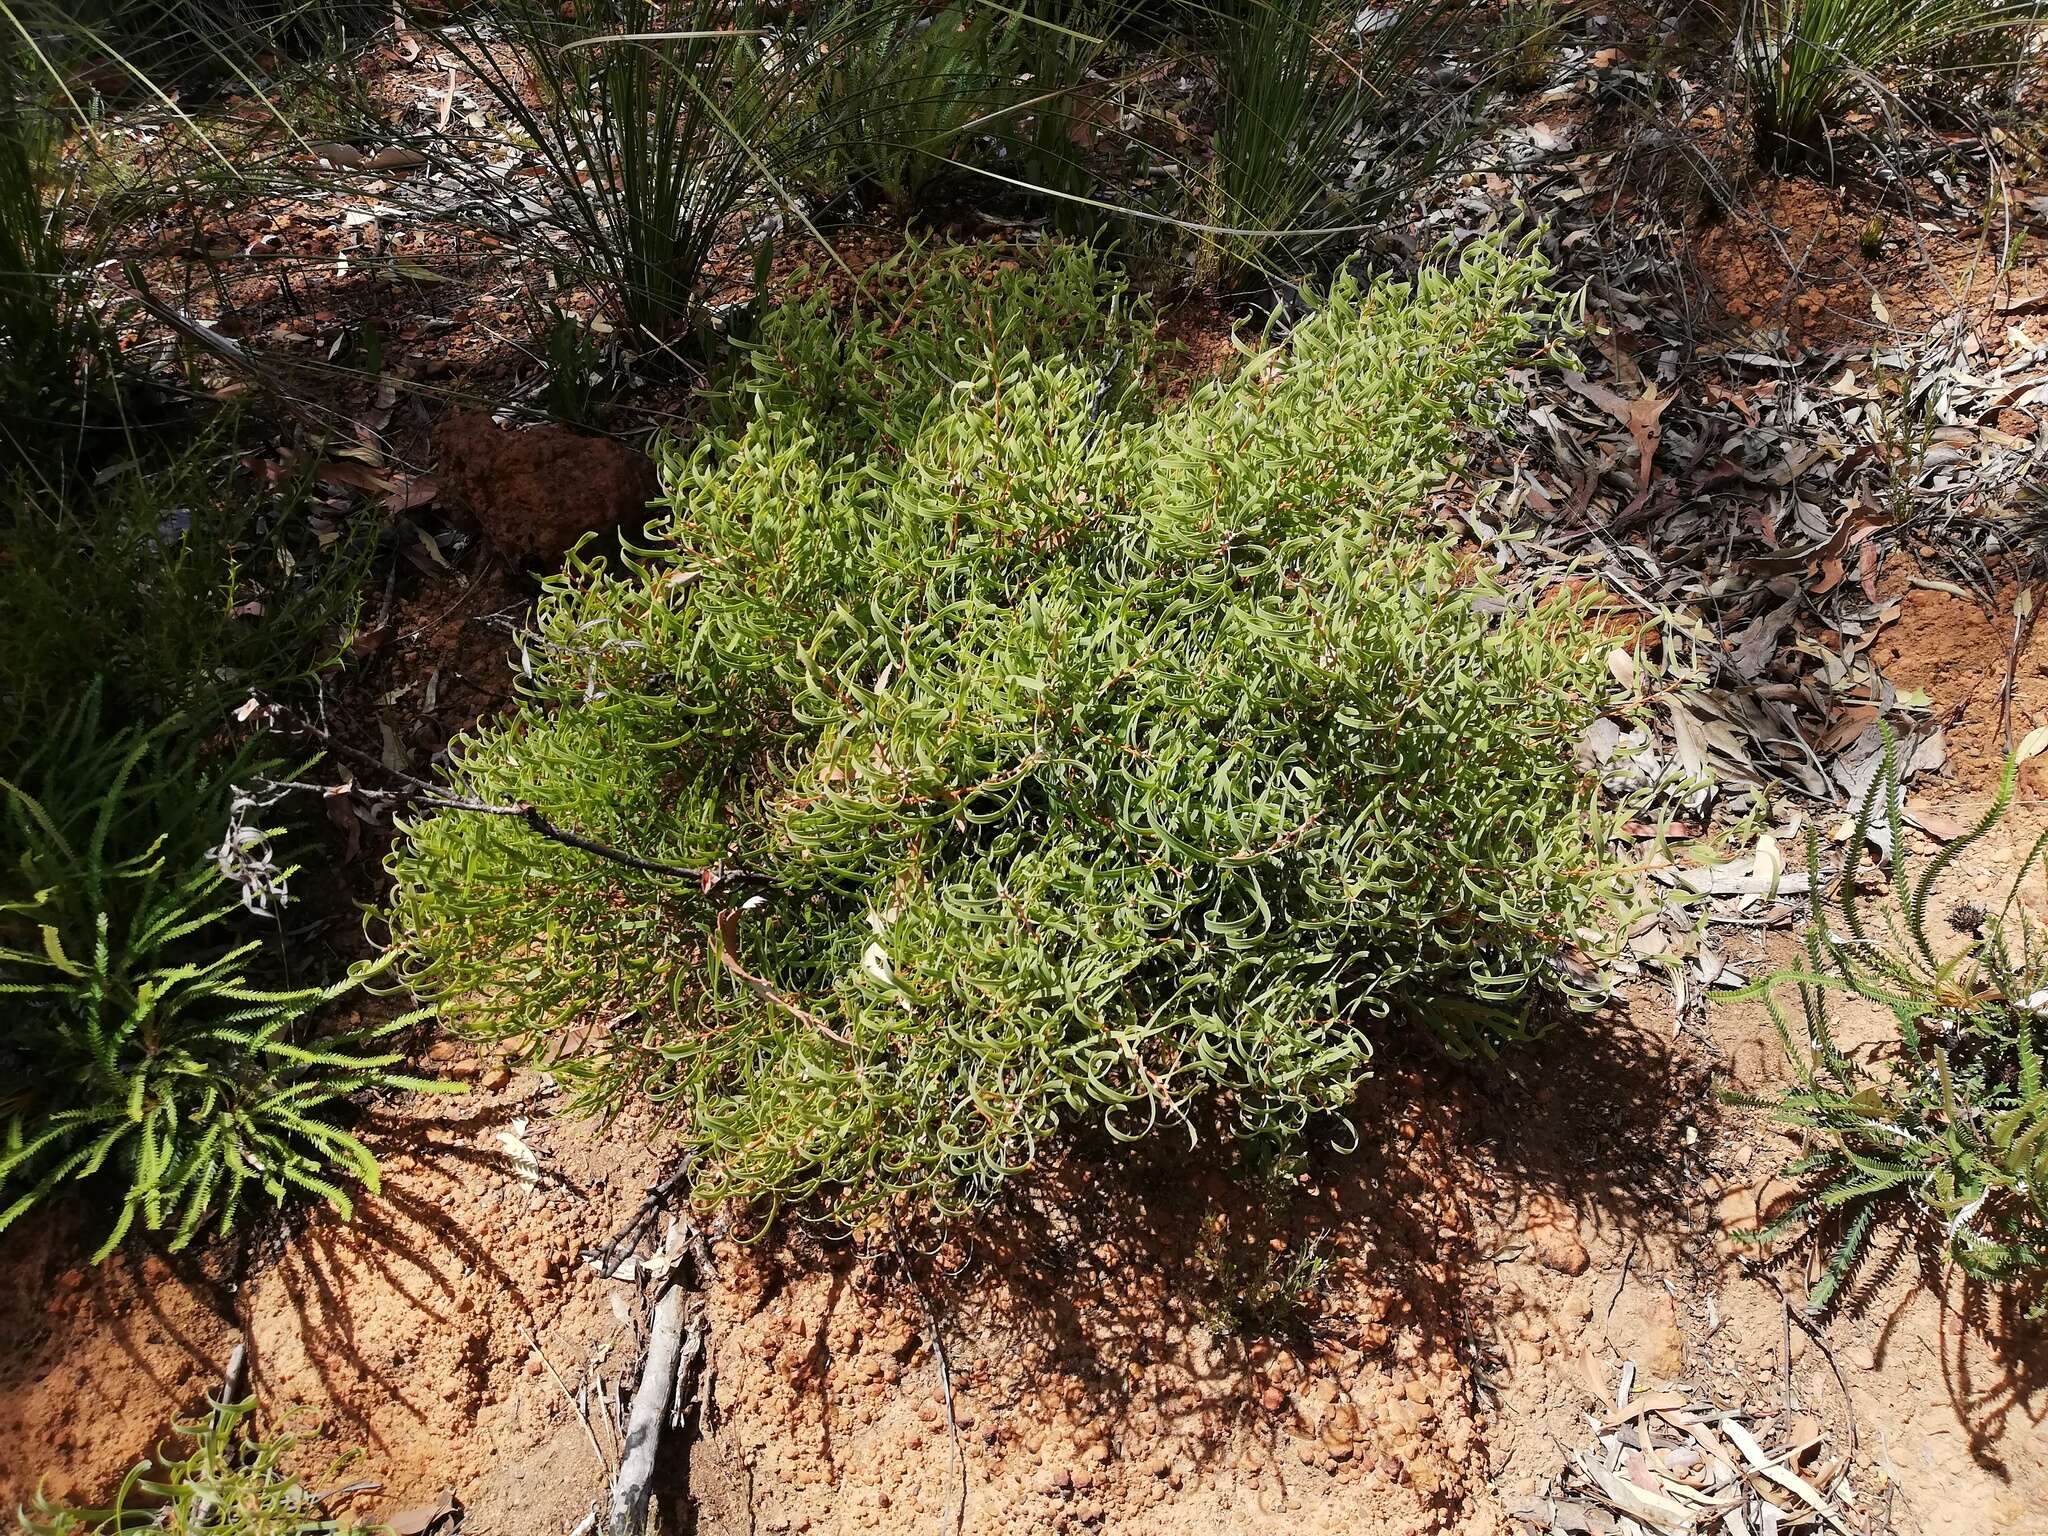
660	1378
205	1506
237	1368
568	1397
945	1367
608	1258
692	1359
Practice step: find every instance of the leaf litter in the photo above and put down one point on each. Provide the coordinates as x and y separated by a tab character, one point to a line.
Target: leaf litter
1749	508
1673	1462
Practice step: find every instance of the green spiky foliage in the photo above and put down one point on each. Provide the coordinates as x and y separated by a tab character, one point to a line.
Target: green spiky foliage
138	1046
54	375
159	52
897	95
1296	93
1078	764
1948	1124
1526	39
659	126
227	1479
1052	130
1807	62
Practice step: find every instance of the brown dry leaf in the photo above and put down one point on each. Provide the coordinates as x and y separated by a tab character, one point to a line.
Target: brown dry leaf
1936	824
1593	1376
1801	1436
1751	651
1856	525
1659	1511
1642	417
1706	743
411	491
1790	1481
1626	373
1846	728
353	474
344	157
427	1519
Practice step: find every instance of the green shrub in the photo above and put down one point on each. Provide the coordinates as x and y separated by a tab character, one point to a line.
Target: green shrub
1263	1291
1806	61
1527	37
1948	1123
1072	762
138	1044
229	1481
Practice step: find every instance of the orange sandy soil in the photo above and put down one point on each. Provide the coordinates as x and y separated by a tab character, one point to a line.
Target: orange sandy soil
1500	1239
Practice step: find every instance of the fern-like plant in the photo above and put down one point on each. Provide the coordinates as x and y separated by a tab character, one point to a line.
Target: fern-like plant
138	1045
1948	1125
1056	760
174	585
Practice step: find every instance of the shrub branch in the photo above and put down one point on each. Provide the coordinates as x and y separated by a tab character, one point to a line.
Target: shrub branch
710	878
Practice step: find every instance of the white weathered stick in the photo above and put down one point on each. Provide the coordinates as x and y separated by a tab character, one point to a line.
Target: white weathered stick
237	1369
204	1507
650	1403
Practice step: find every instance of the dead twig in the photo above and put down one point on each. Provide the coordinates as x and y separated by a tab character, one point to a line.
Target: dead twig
945	1369
710	878
231	1379
1621	1284
227	350
2022	625
604	1465
608	1257
693	1360
1812	1331
231	1383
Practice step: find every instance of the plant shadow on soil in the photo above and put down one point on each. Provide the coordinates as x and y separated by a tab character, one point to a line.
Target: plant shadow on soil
1096	1315
1993	1356
1087	1324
